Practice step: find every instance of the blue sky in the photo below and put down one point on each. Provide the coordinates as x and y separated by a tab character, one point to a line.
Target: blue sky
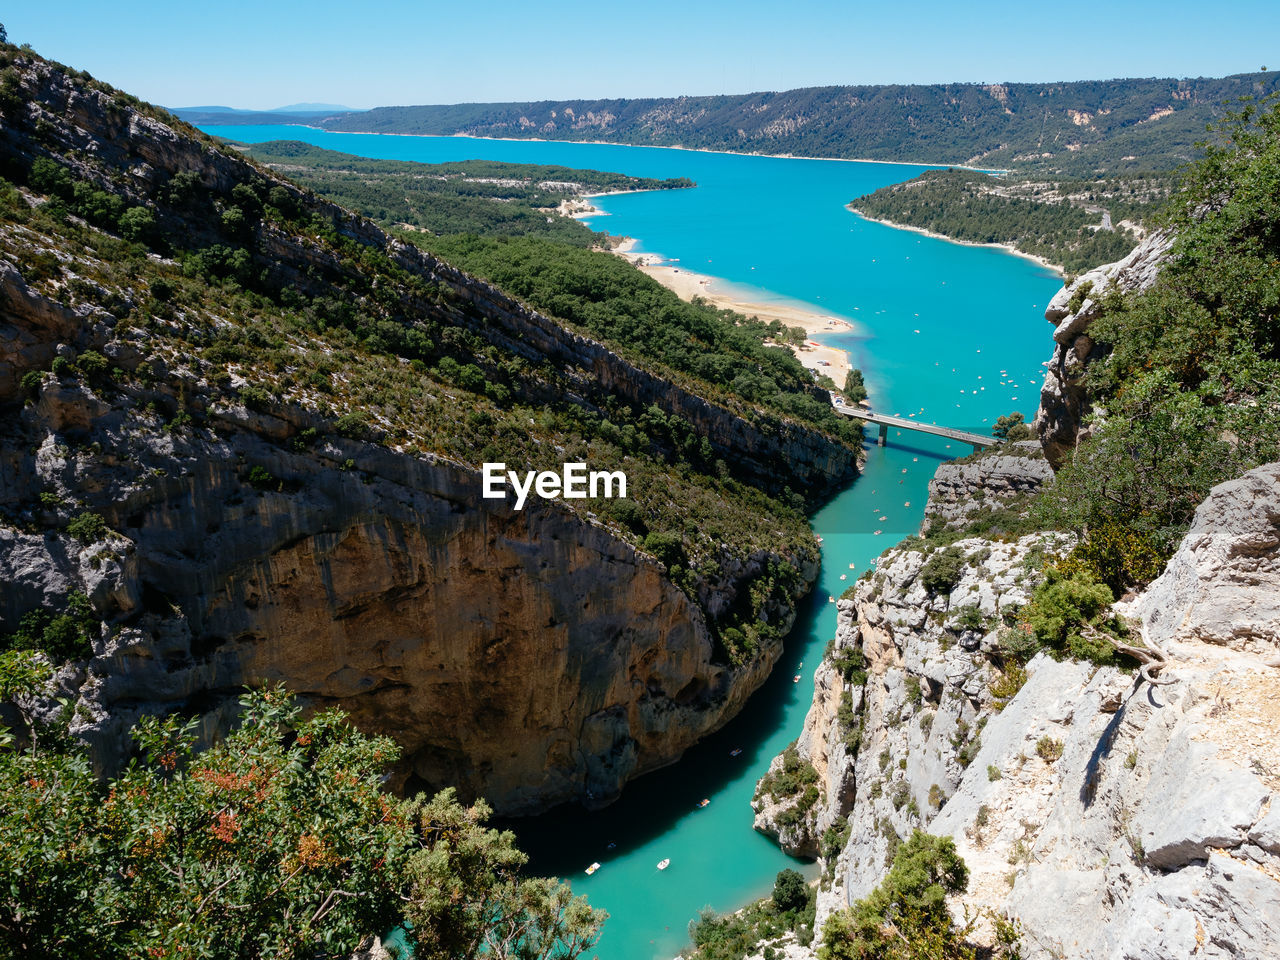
265	54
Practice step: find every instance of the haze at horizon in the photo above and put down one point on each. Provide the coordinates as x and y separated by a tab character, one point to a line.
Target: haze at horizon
262	56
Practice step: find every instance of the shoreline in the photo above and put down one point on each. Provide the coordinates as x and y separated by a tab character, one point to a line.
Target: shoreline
688	284
616	143
1006	247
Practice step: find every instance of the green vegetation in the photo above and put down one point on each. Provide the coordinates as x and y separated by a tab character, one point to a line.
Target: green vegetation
1057	220
942	571
905	917
259	284
1069	614
278	841
795	778
733	936
62	632
481	197
1192	377
726	354
1079	128
1048	749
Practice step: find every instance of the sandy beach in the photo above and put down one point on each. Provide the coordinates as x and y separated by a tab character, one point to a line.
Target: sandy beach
688	284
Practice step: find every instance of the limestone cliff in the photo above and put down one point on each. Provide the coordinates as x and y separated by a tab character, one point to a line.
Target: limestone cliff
1105	816
1064	401
198	399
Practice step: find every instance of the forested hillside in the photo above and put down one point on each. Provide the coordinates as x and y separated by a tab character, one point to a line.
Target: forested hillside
482	197
1074	224
1080	128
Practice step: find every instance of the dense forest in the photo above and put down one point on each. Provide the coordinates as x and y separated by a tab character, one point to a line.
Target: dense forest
1075	224
482	197
1079	128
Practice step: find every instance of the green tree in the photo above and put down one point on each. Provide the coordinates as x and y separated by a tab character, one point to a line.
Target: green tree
1007	424
789	890
467	900
278	841
905	917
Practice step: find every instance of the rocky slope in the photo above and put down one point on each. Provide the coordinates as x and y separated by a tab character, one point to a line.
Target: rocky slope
202	394
1104	815
1064	401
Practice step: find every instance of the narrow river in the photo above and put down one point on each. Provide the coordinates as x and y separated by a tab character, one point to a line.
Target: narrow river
950	334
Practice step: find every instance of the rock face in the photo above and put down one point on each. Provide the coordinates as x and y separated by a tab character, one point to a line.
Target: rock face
961	488
526	656
1064	402
903	740
530	656
1223	584
1107	817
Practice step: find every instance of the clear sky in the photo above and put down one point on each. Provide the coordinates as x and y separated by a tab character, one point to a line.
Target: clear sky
268	53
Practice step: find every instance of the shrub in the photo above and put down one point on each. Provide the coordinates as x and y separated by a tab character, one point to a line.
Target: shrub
1010	681
993	773
1116	554
667	547
790	892
1048	749
905	917
238	851
941	572
87	527
63	635
1065	613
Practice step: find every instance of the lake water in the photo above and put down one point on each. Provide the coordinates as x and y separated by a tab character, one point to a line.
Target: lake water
955	335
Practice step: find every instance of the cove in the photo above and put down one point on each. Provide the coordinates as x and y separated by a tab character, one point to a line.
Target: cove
952	334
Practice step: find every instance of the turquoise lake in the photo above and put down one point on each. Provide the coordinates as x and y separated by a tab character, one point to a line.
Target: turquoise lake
952	334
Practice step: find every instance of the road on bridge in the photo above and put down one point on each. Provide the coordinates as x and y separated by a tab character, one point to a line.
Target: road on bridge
885	421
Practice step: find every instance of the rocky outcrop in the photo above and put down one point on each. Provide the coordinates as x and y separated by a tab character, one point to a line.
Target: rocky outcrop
525	656
1104	816
530	656
1223	583
1064	402
991	481
892	749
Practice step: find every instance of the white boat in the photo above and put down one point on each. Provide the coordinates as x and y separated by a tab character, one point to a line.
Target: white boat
592	869
663	864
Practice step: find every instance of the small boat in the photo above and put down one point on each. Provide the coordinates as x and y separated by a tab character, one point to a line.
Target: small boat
796	678
592	869
703	802
611	846
877	533
831	599
852	565
844	576
735	751
664	863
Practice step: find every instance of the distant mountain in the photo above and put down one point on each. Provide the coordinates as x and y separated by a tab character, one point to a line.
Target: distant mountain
312	108
1081	128
181	110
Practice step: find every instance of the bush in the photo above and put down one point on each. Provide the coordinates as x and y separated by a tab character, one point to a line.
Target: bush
87	527
1065	613
239	851
941	572
905	917
668	548
790	892
138	224
64	635
1048	749
1116	554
